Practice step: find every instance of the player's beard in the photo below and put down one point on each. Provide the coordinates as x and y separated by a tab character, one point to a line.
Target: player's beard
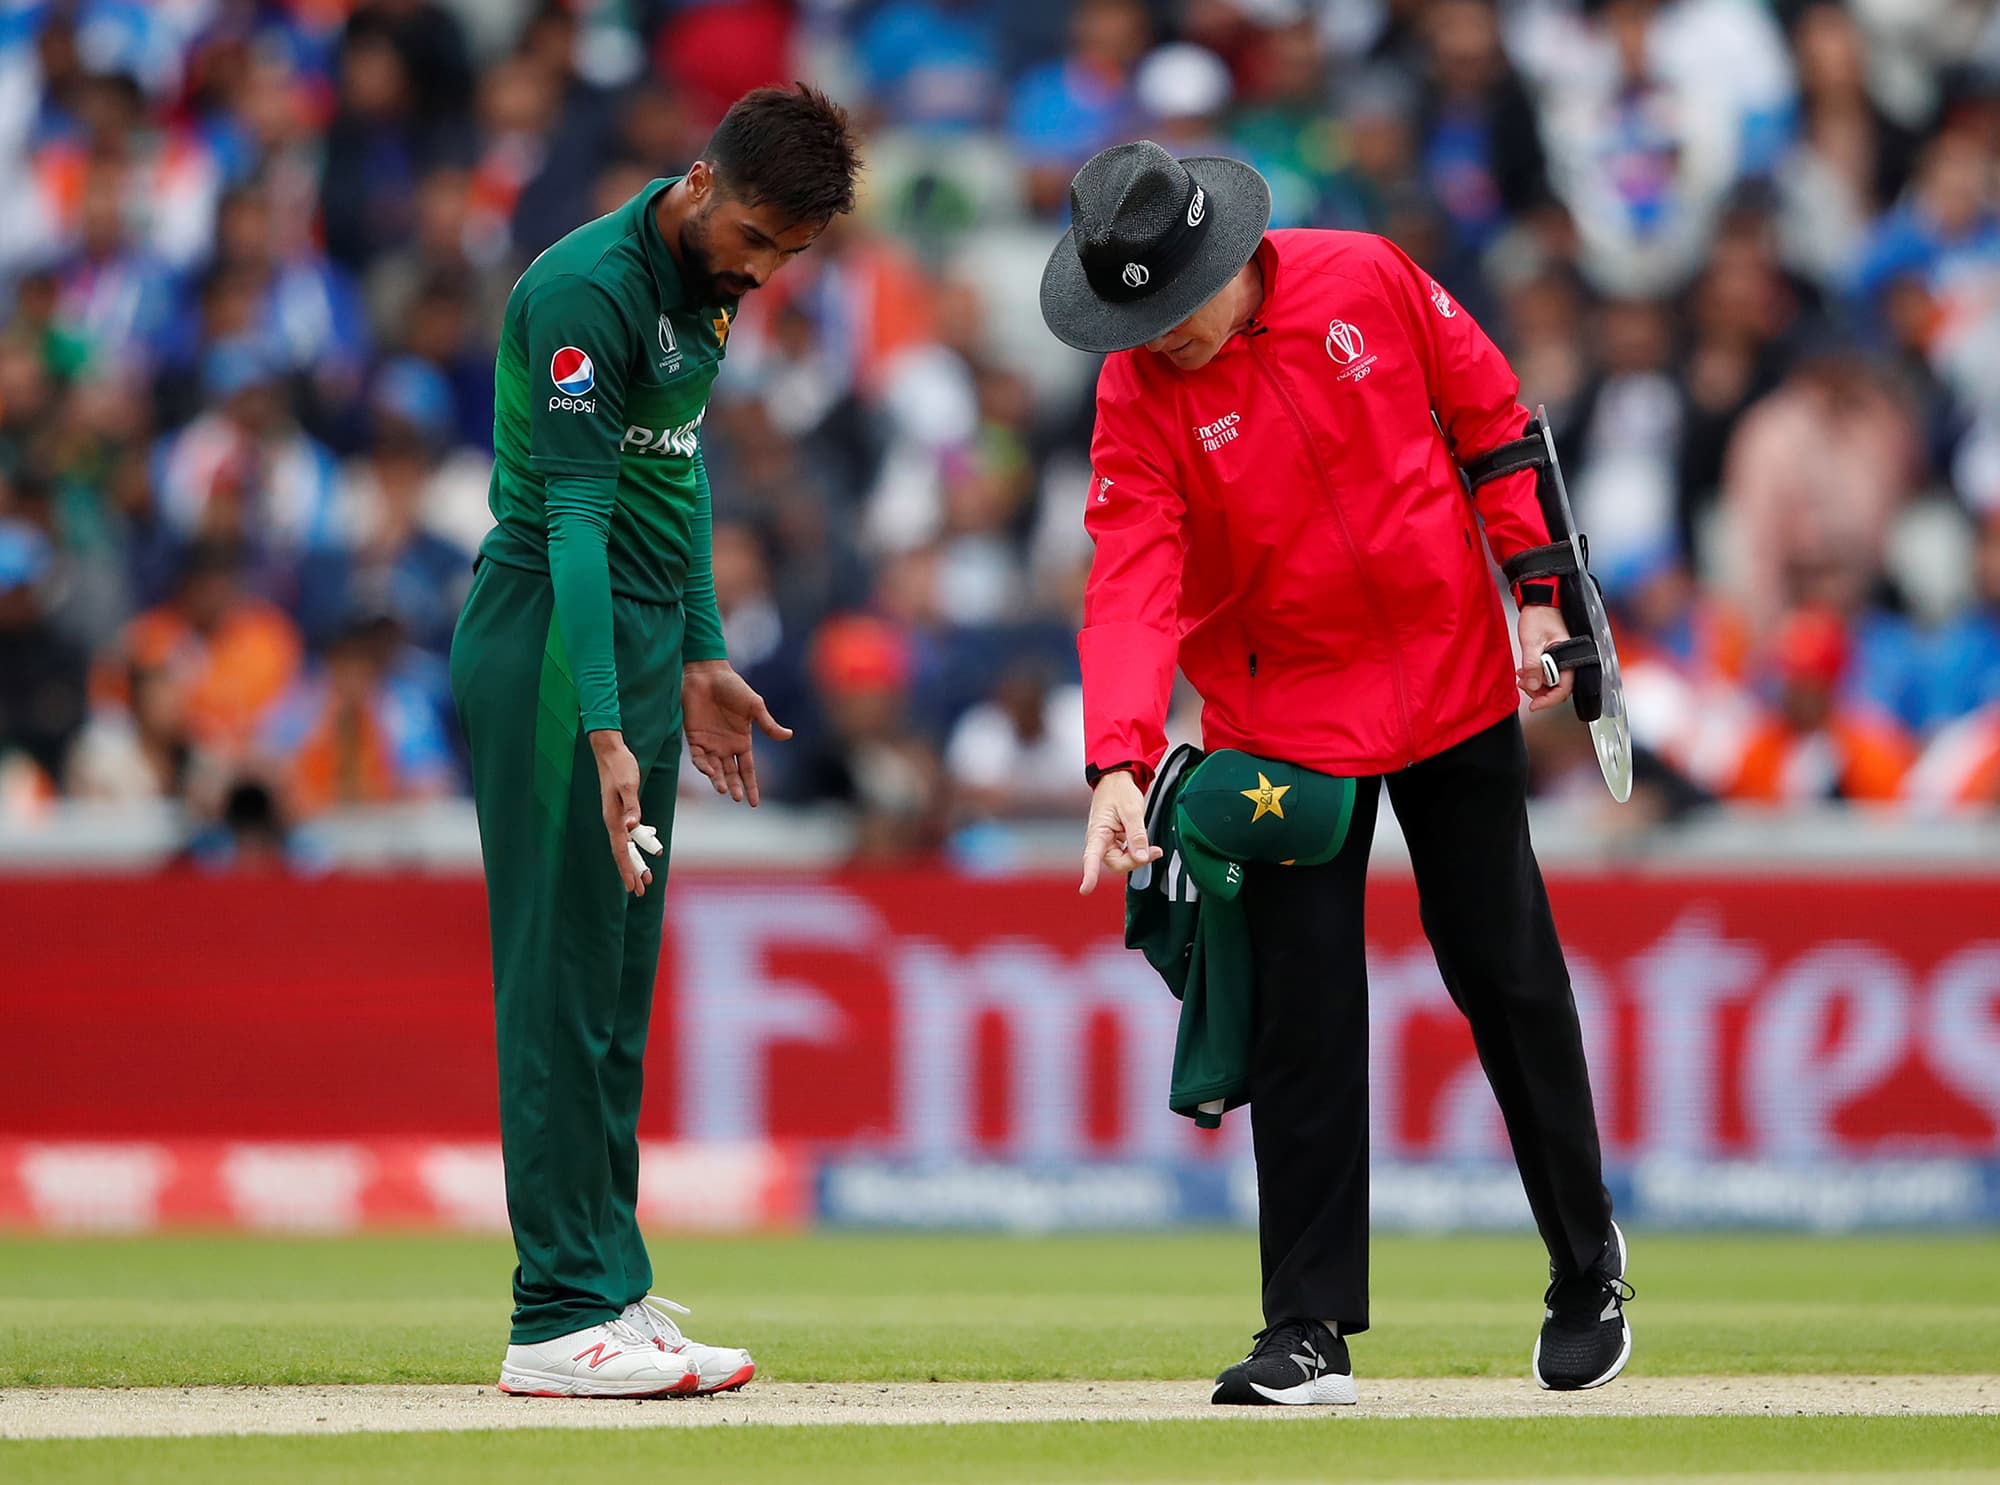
706	283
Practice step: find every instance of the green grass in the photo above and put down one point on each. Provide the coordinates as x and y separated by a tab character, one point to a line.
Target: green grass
182	1311
1630	1450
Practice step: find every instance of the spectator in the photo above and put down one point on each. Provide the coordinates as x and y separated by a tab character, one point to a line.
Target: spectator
113	296
1850	160
392	560
1817	747
1481	142
1964	669
227	655
249	835
442	326
931	64
1813	475
353	733
1020	752
1628	425
41	672
1182	92
138	752
1960	770
376	149
865	755
245	472
1288	131
1066	110
309	311
1641	159
1745	316
427	37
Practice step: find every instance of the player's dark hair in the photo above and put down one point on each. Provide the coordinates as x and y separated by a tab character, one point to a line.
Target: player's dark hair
787	147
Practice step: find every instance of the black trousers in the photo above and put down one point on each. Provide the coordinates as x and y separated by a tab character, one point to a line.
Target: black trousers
1486	913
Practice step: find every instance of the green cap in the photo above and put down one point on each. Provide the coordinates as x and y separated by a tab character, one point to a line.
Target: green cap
1236	809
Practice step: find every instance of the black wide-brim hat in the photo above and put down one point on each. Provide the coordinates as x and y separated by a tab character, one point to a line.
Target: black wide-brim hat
1151	240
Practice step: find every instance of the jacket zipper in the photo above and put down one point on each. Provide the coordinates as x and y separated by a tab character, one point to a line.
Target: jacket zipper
1353	552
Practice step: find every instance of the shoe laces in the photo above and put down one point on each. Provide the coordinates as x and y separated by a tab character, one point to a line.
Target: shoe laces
1583	1294
1283	1338
655	1311
630	1334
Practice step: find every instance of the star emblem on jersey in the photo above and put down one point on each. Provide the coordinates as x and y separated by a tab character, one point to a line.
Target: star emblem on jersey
572	372
1268	797
720	325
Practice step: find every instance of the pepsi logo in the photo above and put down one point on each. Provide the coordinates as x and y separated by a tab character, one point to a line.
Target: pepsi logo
571	371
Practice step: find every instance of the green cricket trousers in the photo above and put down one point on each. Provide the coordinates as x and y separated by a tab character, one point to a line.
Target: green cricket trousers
574	956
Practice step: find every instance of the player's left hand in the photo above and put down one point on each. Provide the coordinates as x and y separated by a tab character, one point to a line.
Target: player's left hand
1542	626
718	710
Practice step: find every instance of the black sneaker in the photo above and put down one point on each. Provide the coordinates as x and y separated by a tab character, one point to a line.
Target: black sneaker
1297	1361
1586	1339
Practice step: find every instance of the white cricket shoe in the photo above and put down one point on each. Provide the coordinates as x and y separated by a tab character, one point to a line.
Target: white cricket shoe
608	1360
722	1368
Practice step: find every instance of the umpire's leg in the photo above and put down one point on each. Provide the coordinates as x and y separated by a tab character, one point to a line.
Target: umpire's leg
1309	1079
1464	813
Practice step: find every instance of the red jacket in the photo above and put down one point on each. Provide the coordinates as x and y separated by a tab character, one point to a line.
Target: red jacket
1287	524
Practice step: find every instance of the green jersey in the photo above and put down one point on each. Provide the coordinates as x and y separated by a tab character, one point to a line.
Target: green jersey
600	389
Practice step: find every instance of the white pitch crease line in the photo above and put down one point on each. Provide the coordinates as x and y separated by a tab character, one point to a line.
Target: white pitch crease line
164	1412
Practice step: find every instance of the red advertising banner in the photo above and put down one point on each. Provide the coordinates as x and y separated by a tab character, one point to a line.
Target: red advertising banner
921	1014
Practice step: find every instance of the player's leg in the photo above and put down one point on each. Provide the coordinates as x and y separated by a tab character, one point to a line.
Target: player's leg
649	698
1309	1120
1486	912
556	911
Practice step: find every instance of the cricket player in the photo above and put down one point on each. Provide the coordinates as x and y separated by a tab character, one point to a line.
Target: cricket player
1277	509
589	644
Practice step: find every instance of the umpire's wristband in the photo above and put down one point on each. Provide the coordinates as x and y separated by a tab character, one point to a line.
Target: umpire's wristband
1540	592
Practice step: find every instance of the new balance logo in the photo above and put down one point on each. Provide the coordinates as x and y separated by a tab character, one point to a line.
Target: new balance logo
596	1355
1312	1363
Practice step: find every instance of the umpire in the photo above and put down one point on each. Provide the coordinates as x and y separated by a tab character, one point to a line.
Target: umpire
1277	509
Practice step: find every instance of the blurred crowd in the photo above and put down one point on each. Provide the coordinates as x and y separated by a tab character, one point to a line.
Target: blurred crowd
255	252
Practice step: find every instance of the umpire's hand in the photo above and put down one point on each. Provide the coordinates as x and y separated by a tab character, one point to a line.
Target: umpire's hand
1116	835
1542	626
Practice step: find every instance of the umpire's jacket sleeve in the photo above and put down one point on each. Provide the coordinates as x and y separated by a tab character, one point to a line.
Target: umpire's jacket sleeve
1474	393
1131	630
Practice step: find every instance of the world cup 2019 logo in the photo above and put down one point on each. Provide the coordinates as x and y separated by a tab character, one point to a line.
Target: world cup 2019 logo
1344	343
1136	275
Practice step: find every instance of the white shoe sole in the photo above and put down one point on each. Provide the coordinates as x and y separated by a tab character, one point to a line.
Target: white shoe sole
1624	1355
1326	1391
520	1382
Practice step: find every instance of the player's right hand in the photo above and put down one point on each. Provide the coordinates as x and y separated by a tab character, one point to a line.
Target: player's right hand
618	788
1116	834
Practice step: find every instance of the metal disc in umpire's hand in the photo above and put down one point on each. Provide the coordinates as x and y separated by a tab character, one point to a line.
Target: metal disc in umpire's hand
1610	733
